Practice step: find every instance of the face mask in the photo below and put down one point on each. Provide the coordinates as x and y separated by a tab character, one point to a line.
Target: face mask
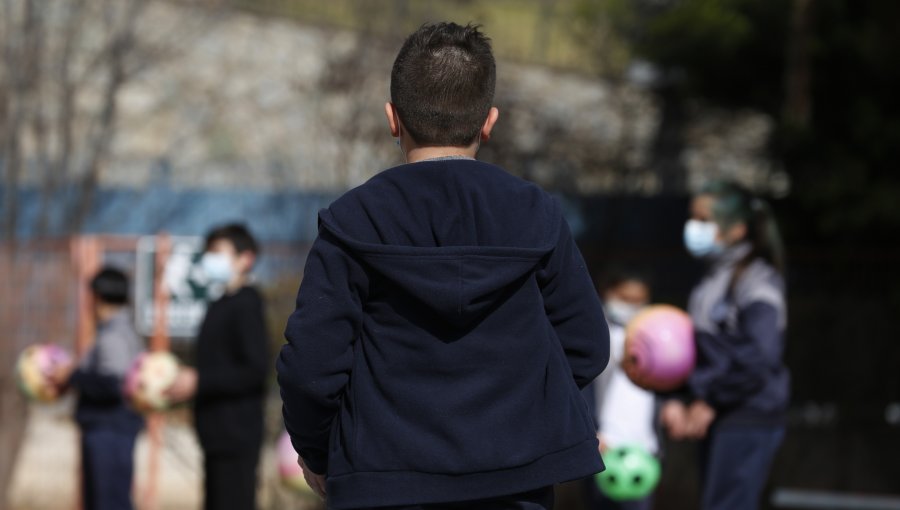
700	238
620	312
217	267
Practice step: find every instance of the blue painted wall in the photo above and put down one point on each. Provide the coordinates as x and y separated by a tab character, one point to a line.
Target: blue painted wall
279	217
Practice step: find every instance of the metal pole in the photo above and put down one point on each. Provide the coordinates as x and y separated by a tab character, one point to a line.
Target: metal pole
86	254
158	342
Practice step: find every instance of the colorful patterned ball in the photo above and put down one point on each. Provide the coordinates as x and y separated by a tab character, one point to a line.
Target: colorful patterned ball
35	366
150	375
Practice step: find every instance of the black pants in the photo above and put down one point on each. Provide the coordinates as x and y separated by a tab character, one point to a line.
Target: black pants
230	480
107	461
539	499
735	465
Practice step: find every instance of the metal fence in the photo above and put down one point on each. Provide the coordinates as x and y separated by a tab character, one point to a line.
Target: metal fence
43	298
38	296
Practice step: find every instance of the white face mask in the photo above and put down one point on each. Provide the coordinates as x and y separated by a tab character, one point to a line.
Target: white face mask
620	312
218	267
700	238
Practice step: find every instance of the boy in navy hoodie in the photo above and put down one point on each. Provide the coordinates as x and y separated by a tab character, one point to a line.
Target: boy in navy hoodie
446	319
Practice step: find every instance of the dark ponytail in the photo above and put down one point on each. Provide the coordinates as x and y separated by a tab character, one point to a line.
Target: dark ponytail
766	237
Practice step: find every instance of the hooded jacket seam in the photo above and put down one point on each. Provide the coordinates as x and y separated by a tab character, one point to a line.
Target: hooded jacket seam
454	257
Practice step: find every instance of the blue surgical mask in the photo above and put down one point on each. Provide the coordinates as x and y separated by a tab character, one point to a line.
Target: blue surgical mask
700	238
217	267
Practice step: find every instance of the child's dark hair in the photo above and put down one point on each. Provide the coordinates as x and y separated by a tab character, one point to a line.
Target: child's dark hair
239	236
442	84
735	204
110	285
617	275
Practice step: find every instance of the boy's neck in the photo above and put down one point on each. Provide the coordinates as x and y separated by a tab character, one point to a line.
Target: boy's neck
417	154
236	284
104	312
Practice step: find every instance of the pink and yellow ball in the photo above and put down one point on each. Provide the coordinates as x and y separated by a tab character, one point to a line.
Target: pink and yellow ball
34	368
146	382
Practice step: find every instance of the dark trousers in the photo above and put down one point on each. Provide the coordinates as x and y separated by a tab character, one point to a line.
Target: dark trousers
735	462
230	480
107	462
539	499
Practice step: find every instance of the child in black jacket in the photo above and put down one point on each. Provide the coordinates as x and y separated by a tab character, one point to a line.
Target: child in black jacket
233	364
446	319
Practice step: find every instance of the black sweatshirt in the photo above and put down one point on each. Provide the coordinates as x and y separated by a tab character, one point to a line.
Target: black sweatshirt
444	325
232	365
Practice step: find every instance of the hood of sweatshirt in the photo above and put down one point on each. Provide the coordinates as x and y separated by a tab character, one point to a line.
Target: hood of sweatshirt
455	235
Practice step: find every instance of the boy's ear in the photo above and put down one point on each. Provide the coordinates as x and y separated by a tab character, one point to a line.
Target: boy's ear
393	120
492	117
245	260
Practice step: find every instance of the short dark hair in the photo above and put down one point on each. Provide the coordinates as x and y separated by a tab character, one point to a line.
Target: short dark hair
236	233
442	84
616	275
110	285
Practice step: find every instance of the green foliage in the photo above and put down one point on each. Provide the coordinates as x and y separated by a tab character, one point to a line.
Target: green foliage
730	51
534	31
606	30
701	29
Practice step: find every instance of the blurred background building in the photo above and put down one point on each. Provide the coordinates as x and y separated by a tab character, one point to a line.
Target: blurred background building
131	117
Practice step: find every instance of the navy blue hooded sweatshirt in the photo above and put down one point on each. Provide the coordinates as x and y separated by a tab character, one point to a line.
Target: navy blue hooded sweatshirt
444	325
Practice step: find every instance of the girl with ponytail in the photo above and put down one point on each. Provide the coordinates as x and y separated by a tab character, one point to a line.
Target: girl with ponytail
739	390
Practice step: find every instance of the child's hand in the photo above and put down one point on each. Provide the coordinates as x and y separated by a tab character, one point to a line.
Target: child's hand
674	417
315	481
60	376
185	385
699	417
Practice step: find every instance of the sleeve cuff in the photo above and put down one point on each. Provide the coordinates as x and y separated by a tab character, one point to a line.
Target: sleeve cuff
318	464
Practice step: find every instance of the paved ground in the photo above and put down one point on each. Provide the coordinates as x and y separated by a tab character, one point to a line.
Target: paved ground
46	474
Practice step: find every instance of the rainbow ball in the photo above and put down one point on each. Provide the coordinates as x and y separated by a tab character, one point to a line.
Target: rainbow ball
148	378
34	368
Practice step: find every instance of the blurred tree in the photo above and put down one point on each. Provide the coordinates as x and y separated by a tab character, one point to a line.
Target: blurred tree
49	59
844	161
62	67
825	69
609	29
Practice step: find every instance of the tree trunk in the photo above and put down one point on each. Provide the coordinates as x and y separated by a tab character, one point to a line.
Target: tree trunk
798	75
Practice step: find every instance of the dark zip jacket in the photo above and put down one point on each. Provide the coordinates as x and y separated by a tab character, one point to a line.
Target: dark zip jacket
739	329
99	377
444	325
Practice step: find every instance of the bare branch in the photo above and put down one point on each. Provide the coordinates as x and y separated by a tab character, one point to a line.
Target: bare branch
100	137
